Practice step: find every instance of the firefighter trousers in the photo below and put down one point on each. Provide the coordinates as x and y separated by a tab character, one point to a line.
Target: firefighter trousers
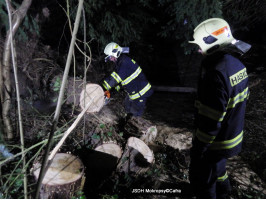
208	177
135	107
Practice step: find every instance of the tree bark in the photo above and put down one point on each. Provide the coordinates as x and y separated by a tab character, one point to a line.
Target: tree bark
141	128
6	89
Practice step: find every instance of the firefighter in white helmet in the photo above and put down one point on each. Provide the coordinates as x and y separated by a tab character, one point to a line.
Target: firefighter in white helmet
130	76
222	96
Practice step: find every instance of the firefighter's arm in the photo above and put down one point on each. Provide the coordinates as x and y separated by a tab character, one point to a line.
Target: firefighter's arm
211	107
113	80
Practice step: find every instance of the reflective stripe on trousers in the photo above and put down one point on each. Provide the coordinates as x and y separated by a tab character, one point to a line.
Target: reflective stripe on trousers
141	93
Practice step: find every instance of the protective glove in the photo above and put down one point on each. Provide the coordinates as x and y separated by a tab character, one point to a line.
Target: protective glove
107	96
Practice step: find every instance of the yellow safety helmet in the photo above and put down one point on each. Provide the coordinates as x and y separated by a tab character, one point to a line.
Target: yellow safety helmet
212	34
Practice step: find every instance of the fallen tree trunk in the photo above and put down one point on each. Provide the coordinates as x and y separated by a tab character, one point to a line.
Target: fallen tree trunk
141	128
63	179
174	89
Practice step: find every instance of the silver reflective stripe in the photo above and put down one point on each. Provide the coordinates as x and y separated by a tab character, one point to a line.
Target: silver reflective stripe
238	98
227	144
132	77
141	93
116	77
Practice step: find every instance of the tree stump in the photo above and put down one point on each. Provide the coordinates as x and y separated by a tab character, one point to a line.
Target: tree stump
105	139
136	159
63	178
142	129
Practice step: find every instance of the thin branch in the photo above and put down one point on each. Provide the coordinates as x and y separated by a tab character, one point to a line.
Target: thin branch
69	130
85	71
24	171
26	150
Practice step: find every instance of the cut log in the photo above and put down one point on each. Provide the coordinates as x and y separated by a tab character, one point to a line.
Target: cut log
75	93
63	179
95	92
177	138
142	129
105	139
136	159
110	148
174	89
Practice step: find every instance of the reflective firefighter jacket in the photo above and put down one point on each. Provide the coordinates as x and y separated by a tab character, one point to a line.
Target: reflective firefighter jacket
222	95
129	74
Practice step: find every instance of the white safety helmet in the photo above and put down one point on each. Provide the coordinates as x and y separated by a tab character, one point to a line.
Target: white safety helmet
113	49
212	34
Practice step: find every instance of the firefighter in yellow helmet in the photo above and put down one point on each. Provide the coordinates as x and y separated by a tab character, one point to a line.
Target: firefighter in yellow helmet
222	96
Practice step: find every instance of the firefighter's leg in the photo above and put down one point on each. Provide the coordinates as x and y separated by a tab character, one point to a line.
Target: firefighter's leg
128	104
223	187
208	177
136	107
201	178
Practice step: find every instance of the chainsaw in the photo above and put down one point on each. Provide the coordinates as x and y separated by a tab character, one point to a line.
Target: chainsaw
107	97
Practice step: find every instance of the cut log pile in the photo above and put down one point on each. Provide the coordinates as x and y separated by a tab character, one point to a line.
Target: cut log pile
133	155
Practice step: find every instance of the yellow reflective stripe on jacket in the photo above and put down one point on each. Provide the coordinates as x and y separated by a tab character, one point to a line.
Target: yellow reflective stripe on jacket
227	144
222	178
140	93
106	85
131	77
203	137
238	98
209	112
116	77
